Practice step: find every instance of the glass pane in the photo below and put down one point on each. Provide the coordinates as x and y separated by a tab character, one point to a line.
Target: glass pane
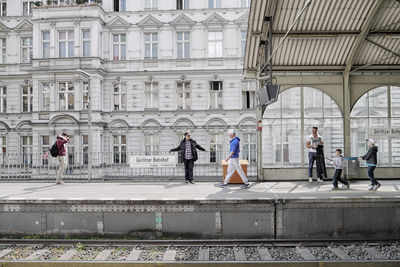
123	52
123	139
116	52
155	50
273	110
70	49
115	38
147	50
46	36
62	35
395	100
70	35
123	38
271	136
291	103
179	36
291	142
187	36
187	50
360	109
86	34
180	50
378	102
312	103
62	49
70	101
86	49
331	108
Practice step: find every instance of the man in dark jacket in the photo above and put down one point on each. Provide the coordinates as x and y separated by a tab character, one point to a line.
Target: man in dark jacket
188	155
372	160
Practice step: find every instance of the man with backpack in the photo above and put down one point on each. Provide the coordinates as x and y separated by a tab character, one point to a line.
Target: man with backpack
61	155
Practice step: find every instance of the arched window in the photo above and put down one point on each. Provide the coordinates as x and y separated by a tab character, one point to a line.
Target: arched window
288	122
378	108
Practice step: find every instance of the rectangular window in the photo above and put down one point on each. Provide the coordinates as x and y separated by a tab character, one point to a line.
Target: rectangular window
3	145
183	44
151	45
248	95
27	8
45	96
45	142
85	96
215	44
216	95
216	147
119	149
66	44
86	43
151	91
26	149
151	5
66	96
119	46
243	35
182	4
3	8
120	96
3	99
3	49
27	96
46	44
27	52
245	3
214	3
183	95
152	142
249	147
85	149
119	5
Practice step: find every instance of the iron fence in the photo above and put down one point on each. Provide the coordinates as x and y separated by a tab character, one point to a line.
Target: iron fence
107	166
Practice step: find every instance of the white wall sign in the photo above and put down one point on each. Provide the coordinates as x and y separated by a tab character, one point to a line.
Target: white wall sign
384	133
152	161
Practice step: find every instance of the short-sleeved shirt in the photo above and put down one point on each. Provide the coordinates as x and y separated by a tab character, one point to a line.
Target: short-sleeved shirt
314	141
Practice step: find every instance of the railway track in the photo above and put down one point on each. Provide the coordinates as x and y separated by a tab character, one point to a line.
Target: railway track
49	252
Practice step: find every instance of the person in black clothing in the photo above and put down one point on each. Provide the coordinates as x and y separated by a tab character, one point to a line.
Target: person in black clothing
188	155
372	160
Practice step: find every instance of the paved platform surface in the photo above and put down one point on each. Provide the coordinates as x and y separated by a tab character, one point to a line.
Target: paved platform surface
199	191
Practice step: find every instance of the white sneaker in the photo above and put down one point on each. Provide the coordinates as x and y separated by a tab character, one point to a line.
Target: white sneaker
320	180
310	180
371	187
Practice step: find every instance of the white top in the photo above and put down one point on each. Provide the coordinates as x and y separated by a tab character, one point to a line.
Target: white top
314	141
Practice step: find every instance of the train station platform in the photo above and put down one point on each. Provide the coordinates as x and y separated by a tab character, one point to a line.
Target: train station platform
270	210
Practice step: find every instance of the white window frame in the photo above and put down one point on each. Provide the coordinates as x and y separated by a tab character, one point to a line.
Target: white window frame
45	94
29	97
185	91
66	95
27	50
152	44
26	149
122	153
152	144
45	147
45	45
151	5
3	8
151	90
249	92
85	95
218	146
182	43
29	4
121	6
3	99
85	149
247	143
214	43
68	43
120	44
245	3
3	49
121	95
243	42
86	41
214	3
216	95
182	4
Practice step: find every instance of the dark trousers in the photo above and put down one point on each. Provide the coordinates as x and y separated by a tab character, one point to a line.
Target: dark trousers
189	169
312	156
337	178
371	175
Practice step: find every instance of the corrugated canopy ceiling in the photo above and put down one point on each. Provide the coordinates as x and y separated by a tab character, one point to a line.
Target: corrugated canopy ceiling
331	35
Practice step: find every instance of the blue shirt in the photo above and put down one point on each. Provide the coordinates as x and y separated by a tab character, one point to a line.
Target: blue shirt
235	147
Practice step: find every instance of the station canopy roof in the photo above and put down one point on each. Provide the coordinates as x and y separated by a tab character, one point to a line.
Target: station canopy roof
331	35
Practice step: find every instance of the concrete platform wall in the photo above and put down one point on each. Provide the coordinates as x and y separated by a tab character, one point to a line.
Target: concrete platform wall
294	219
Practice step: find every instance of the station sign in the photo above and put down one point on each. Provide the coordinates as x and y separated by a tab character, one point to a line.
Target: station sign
152	161
384	133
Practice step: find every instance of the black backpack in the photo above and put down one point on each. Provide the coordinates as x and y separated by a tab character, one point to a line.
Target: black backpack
54	150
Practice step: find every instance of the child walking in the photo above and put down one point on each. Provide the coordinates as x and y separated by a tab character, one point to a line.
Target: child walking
338	163
372	160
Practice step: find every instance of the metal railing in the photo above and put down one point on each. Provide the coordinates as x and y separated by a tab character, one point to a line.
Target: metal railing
107	166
